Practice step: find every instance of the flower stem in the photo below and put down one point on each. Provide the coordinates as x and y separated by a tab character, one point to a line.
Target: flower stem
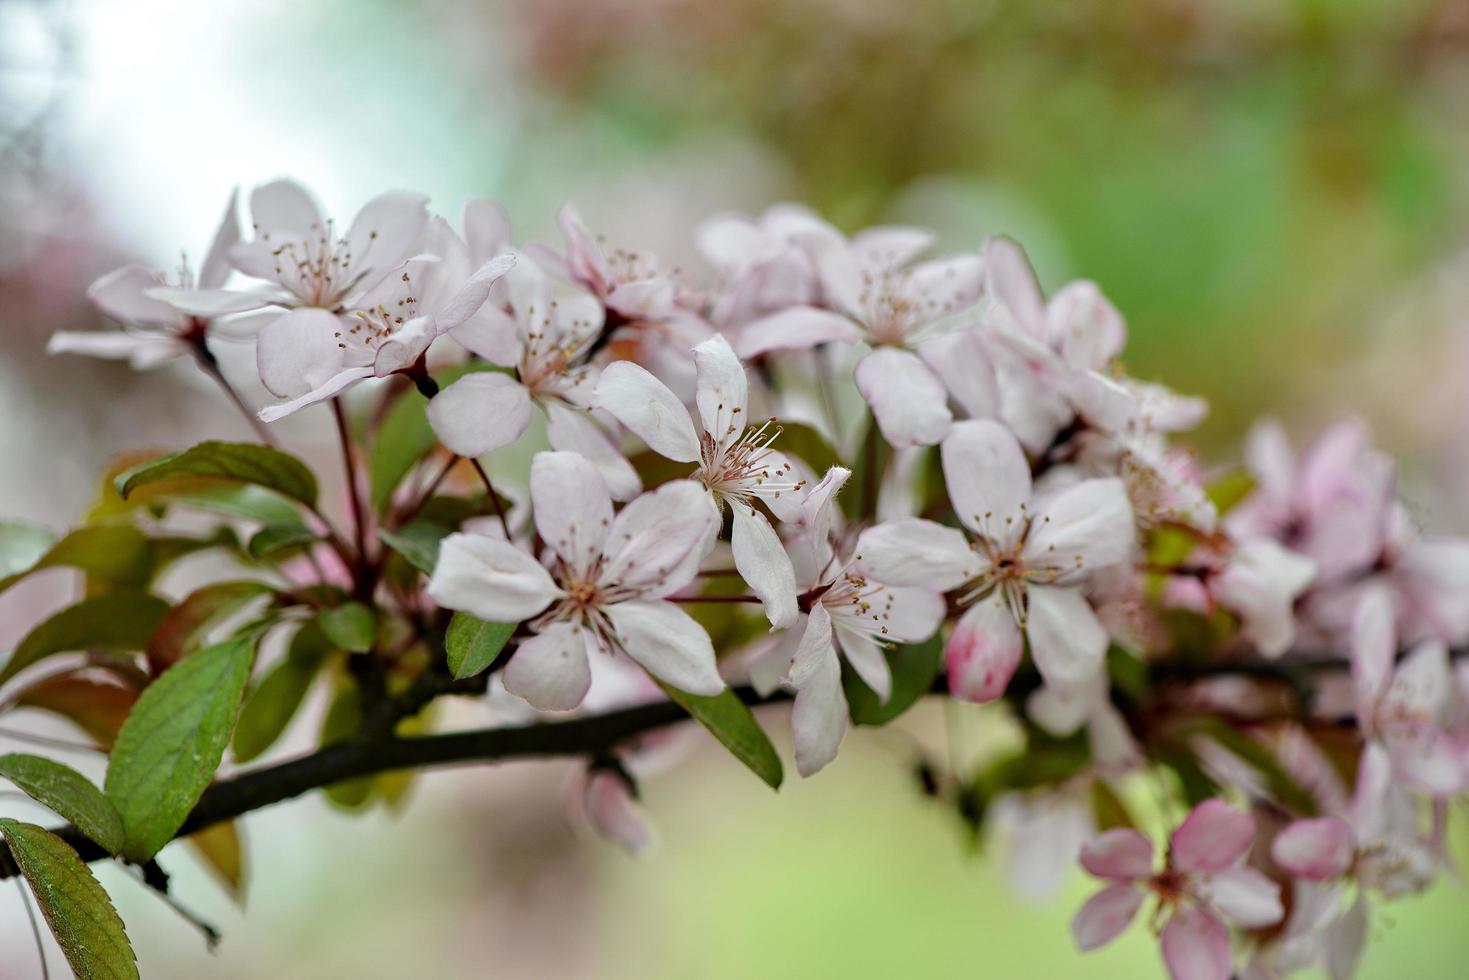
359	506
210	366
494	497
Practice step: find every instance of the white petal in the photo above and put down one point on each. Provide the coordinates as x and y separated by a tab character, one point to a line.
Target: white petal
764	565
480	413
123	295
983	651
918	552
1012	281
387	230
573	430
1084	327
798	328
722	392
551	670
910	614
656	543
332	387
284	205
890	246
988	479
142	350
961	362
667	643
613	813
1082	528
1244	896
215	268
573	511
1422	684
210	303
1261	583
486	228
492	334
490	578
908	400
819	716
1066	640
868	660
474	293
646	406
1374	645
299	351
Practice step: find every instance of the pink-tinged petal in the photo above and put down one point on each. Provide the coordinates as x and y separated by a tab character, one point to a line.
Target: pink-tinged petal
284	205
988	479
492	334
299	351
645	405
490	578
731	242
486	228
983	651
1316	849
210	303
1012	281
573	430
387	230
1084	327
1121	853
867	658
1067	640
1106	915
943	287
1271	462
1422	684
1196	946
614	814
584	258
819	715
657	541
1374	645
1244	896
667	643
1082	528
1211	838
890	246
918	552
1372	795
798	328
480	413
123	295
405	346
647	299
722	392
908	400
215	268
1261	583
142	351
467	301
1346	939
551	670
332	387
573	510
763	563
962	364
1102	402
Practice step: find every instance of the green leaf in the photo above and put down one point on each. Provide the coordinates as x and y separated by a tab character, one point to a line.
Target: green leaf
351	626
1229	490
115	621
914	668
402	440
418	542
236	500
343	720
1108	810
172	743
242	461
115	553
86	926
188	622
276	698
275	540
730	721
21	546
67	792
472	644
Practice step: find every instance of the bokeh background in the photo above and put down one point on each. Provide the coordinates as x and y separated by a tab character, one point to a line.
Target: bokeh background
1275	192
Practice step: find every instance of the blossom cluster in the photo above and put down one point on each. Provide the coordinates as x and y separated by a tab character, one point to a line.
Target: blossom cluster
961	460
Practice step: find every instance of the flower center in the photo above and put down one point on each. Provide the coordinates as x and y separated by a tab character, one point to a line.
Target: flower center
746	467
319	269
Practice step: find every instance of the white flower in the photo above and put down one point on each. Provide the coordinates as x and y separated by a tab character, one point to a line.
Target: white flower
605	588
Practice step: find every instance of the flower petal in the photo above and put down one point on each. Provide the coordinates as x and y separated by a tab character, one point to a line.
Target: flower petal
486	228
1122	853
722	392
473	294
645	405
215	268
961	362
1196	946
983	651
819	716
1084	327
211	303
551	670
1211	838
480	413
908	400
1244	897
988	479
299	351
1012	282
490	578
142	351
1316	849
614	814
123	295
573	511
1082	528
386	231
657	541
763	563
796	328
573	430
330	388
868	659
1066	638
1261	583
918	552
284	205
1106	915
667	643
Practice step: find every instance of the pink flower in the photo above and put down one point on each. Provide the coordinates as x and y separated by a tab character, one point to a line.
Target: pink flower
736	465
1260	581
762	264
1201	886
605	799
1021	570
544	338
872	291
605	589
154	330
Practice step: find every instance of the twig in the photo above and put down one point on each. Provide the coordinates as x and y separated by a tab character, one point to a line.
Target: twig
210	366
359	508
494	497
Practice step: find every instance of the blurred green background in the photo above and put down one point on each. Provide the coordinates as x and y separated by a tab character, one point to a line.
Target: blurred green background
1275	193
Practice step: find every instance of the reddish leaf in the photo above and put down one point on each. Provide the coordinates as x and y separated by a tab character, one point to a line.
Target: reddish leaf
98	707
